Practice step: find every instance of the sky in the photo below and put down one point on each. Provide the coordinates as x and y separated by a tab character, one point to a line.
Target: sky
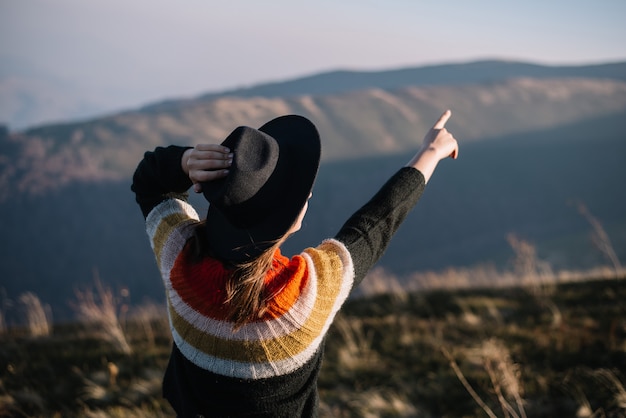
124	53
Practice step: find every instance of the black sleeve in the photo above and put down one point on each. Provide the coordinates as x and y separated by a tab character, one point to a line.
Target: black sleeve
158	176
367	233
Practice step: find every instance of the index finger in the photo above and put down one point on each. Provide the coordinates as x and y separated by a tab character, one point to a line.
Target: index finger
212	147
441	123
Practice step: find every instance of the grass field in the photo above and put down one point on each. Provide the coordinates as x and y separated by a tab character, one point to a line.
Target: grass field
533	351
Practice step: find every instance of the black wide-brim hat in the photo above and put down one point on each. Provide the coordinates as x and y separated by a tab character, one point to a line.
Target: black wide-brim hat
271	178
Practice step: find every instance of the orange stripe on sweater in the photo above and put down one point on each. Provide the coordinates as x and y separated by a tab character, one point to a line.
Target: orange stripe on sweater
269	348
203	285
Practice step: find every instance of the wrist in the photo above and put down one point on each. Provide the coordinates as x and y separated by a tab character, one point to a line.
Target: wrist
432	151
425	161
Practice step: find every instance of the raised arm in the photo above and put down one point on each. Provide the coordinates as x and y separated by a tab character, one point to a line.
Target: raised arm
174	169
368	232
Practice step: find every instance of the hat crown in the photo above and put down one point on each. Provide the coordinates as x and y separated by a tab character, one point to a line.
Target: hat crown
245	195
268	183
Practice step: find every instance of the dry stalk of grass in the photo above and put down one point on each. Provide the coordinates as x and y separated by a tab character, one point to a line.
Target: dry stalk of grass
468	387
99	388
374	404
537	275
101	310
503	373
529	268
378	281
612	381
146	316
10	405
525	262
584	410
37	320
356	353
484	275
584	406
125	412
600	238
504	376
607	378
454	278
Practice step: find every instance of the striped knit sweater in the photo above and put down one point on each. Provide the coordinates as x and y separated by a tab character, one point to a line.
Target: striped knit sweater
313	287
266	368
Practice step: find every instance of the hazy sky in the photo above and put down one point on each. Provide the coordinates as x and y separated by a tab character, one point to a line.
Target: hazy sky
137	51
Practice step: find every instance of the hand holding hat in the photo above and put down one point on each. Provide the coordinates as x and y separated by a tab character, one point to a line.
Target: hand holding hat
206	162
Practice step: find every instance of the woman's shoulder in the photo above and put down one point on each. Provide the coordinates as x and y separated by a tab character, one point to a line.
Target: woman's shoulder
331	260
171	211
169	225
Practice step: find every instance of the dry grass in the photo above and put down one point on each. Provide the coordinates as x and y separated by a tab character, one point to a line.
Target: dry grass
383	358
536	275
374	403
600	238
459	374
610	379
504	375
38	316
380	282
356	353
100	312
602	379
151	320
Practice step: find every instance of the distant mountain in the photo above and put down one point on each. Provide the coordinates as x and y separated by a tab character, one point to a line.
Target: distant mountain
29	97
352	124
435	75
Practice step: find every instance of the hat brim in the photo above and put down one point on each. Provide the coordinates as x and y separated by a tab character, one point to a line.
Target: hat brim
300	151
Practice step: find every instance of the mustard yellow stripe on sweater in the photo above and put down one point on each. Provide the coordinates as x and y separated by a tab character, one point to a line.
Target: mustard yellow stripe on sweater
328	273
163	231
165	223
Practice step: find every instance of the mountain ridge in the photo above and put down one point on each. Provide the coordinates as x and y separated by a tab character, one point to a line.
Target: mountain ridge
352	125
338	81
22	102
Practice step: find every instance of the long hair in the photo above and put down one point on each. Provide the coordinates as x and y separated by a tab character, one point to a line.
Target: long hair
246	296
